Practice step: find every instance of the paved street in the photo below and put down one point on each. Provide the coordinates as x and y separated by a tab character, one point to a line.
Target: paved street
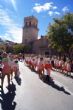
34	94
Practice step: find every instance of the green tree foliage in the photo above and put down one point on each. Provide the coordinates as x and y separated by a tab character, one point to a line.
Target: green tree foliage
18	48
27	49
9	49
60	33
21	48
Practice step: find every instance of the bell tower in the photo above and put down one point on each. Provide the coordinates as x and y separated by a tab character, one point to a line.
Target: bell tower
30	30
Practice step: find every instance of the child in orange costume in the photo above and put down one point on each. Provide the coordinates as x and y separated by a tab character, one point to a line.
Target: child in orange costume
15	65
41	67
6	69
68	68
48	67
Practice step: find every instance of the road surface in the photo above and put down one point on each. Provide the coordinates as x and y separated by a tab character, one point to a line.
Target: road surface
35	94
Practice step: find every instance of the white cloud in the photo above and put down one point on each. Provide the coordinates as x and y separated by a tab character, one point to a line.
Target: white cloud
53	13
47	6
13	31
54	7
13	2
37	4
50	13
65	9
57	13
16	34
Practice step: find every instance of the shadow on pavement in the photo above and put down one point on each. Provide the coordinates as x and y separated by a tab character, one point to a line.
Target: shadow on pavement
18	80
48	80
7	99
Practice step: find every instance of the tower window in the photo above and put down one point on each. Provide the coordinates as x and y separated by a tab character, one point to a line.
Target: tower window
26	24
30	23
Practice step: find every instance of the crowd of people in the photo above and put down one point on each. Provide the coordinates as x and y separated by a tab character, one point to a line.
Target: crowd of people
43	65
8	67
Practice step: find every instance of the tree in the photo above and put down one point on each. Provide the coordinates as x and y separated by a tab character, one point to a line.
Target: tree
9	48
18	48
60	33
27	49
21	48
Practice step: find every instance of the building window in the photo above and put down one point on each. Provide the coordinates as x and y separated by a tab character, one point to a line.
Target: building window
30	23
26	24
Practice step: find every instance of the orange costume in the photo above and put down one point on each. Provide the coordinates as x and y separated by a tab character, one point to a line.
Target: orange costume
40	67
48	67
7	68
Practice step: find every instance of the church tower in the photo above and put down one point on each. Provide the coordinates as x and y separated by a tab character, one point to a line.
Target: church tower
30	30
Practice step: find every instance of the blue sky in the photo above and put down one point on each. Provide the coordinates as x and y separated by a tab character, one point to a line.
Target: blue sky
12	13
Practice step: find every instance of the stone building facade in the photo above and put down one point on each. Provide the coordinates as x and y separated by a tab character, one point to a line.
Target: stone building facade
30	29
30	36
40	46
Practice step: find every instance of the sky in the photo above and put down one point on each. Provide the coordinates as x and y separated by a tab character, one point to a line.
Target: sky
12	13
